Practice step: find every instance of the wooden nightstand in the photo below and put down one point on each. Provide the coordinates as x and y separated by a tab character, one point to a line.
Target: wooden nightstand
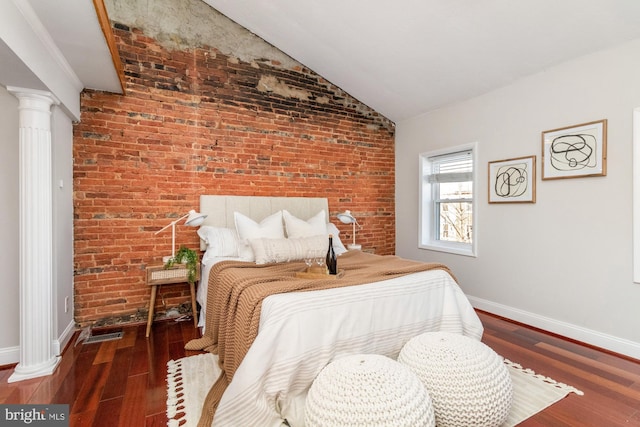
157	275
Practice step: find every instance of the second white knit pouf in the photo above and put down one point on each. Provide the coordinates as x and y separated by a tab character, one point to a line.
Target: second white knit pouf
468	382
368	390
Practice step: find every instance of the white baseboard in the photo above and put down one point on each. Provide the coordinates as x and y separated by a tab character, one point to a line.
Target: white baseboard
63	339
11	355
608	342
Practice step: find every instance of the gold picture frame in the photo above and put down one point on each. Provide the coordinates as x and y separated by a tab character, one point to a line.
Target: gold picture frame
575	151
513	180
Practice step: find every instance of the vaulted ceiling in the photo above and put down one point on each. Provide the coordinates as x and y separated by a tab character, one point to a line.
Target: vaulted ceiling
401	58
407	57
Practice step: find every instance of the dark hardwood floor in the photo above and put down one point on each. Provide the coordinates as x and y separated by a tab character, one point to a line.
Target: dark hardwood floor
123	382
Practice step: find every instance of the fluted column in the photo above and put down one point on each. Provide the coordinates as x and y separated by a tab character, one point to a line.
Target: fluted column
36	235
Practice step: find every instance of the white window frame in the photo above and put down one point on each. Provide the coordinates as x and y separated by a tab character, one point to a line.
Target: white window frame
427	215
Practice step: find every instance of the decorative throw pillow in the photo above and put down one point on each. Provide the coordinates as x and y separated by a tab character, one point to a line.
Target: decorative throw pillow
316	225
296	227
284	250
270	228
221	241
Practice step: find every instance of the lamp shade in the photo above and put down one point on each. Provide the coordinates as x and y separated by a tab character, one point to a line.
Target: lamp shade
195	218
346	217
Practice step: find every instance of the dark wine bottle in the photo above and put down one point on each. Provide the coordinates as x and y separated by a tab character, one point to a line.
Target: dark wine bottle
332	262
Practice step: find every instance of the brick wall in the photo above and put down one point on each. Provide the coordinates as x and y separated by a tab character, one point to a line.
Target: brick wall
199	122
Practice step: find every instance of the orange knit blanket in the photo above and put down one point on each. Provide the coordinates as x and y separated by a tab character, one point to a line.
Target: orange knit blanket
235	294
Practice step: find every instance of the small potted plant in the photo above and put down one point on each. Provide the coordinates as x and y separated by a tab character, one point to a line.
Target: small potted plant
186	256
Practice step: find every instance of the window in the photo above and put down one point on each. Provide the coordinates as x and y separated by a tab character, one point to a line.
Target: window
447	220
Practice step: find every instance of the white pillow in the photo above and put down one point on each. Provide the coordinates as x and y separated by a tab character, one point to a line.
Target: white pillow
269	228
314	226
221	241
338	246
284	250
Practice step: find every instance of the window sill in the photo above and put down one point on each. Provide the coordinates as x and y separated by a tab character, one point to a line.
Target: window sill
452	248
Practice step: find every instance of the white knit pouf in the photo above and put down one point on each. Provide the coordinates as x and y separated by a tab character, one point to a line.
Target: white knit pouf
367	390
468	382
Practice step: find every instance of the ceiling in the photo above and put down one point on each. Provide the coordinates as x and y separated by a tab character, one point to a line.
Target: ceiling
401	58
407	57
76	31
73	27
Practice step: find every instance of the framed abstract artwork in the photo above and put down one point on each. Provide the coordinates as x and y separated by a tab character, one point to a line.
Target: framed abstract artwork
513	180
575	151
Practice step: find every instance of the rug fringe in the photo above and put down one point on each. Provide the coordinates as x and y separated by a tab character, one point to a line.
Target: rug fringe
552	382
175	393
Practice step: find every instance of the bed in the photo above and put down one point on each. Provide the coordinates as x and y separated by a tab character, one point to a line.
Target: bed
273	347
215	232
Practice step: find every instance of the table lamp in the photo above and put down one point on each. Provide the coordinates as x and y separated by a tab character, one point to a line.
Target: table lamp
347	218
194	219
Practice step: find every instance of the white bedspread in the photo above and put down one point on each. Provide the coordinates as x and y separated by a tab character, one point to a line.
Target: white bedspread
302	332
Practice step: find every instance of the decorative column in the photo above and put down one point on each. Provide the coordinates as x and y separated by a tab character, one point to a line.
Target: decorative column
36	235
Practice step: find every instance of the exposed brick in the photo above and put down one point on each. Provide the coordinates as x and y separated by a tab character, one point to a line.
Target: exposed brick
198	122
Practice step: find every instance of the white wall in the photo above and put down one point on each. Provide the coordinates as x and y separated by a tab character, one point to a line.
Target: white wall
565	262
9	237
62	169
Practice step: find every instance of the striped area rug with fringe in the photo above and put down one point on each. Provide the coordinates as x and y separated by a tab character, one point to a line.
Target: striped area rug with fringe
190	378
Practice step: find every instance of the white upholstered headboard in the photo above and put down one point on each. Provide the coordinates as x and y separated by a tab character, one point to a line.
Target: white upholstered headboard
220	209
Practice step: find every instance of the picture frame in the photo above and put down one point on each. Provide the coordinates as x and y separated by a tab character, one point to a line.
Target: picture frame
513	180
575	151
